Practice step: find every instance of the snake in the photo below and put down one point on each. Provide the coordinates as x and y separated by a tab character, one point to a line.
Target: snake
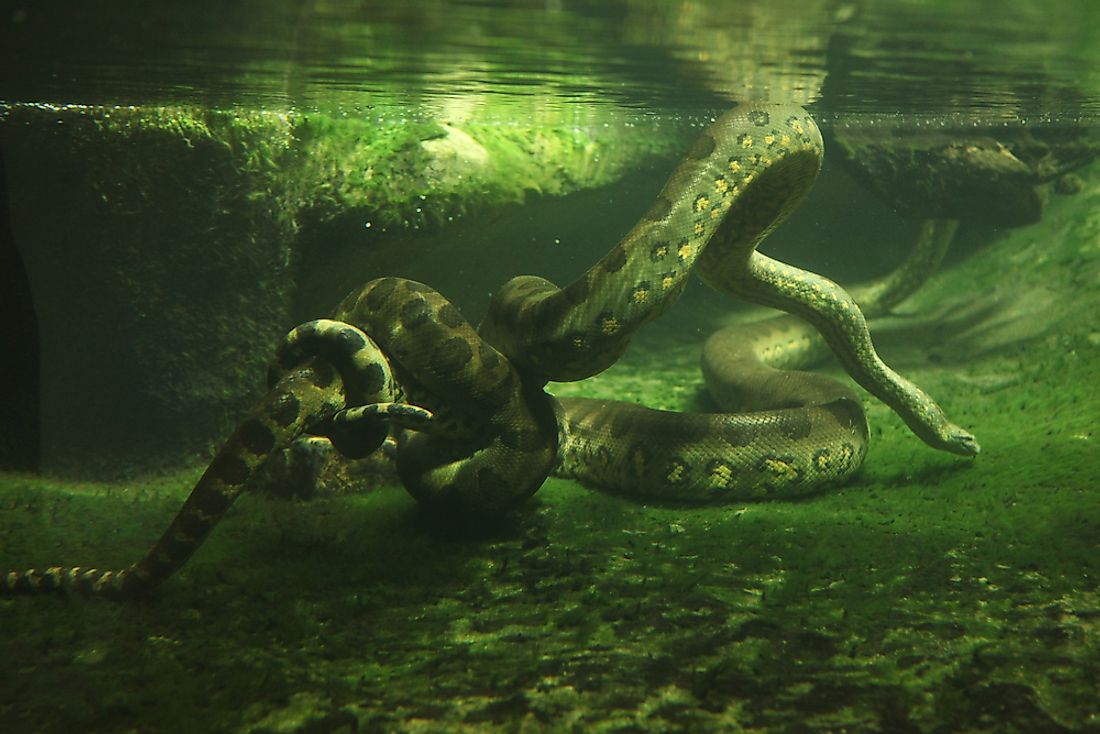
475	429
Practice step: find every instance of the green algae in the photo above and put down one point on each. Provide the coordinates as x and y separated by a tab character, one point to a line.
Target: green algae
411	170
425	173
931	594
387	170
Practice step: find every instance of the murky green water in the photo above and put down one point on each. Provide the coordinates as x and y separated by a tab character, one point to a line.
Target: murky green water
183	184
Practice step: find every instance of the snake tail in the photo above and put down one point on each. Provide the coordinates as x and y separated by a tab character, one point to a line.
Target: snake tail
299	399
836	315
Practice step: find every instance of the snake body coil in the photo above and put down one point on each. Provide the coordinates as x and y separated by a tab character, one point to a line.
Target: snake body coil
474	427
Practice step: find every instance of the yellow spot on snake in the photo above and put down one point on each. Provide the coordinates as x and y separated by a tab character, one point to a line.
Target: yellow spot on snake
578	342
640	295
702	203
721	185
769	139
746	141
685	251
676	473
797	126
609	325
735	166
780	468
698	228
668	280
721	473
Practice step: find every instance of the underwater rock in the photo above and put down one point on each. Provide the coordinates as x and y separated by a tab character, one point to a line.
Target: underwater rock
986	176
158	267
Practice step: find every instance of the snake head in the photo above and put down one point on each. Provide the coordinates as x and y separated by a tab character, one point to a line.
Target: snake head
959	441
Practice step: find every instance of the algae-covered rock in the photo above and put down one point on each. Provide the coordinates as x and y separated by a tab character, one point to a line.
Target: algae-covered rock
989	176
158	263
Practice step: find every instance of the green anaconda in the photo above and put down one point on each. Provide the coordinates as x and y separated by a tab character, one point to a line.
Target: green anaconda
475	428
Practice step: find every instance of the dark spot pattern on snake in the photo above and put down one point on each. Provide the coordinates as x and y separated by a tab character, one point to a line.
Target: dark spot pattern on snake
284	408
230	469
615	260
449	316
658	210
415	313
256	437
451	355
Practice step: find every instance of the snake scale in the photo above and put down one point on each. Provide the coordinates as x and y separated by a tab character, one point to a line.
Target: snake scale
476	430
